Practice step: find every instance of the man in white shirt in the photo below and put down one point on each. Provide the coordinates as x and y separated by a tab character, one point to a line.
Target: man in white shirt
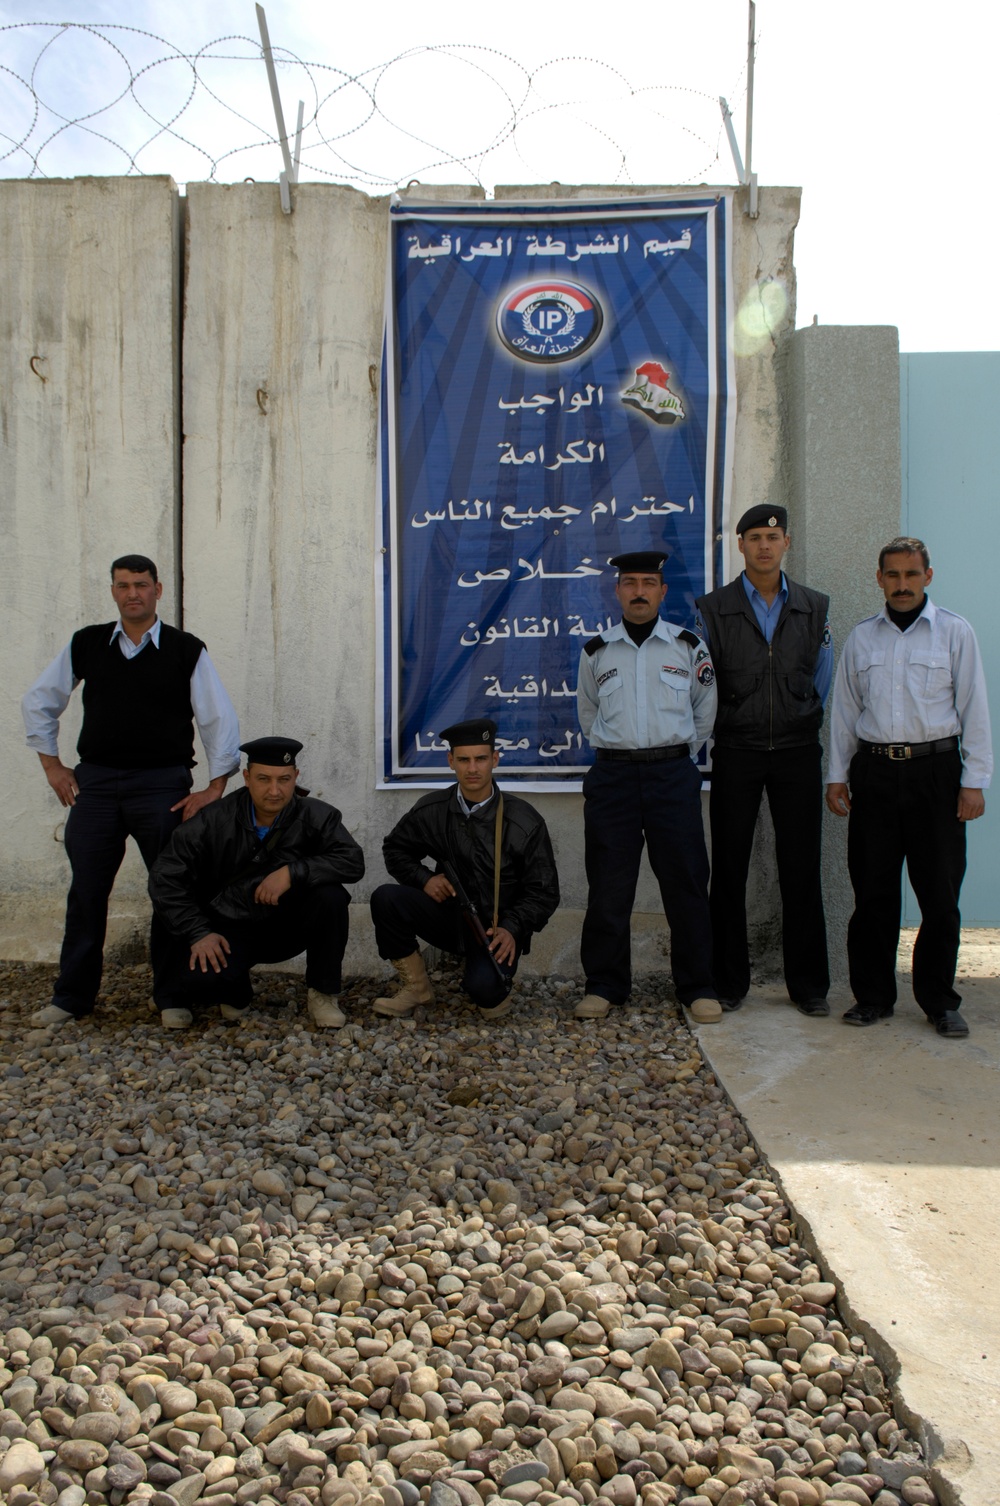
145	685
910	758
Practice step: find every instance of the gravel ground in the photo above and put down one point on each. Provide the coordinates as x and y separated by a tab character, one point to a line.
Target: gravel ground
429	1260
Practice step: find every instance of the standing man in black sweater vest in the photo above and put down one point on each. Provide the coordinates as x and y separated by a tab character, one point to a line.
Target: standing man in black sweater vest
773	655
145	685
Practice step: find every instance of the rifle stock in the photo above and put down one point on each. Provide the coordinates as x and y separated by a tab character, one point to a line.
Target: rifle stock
471	916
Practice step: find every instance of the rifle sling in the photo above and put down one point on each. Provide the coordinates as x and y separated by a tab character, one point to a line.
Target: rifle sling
498	836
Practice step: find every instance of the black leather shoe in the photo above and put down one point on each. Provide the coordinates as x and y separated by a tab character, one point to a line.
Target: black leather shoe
815	1007
951	1023
865	1014
731	1005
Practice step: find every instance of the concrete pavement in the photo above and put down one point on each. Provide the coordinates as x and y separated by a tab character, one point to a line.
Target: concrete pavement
885	1142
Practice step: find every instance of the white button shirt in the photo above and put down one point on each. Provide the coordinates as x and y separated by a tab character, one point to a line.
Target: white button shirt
658	694
912	687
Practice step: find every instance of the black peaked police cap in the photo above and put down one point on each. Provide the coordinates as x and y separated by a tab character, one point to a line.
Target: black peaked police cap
466	734
646	561
273	751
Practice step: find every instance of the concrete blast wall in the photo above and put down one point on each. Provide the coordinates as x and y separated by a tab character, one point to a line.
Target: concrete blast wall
89	429
271	525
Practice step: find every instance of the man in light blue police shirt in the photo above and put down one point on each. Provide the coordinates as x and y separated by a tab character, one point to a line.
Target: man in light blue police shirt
646	700
910	757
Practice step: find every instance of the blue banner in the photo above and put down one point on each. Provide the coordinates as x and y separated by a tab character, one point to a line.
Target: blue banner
557	389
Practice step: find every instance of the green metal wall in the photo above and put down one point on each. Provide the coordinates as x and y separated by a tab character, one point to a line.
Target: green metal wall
950	419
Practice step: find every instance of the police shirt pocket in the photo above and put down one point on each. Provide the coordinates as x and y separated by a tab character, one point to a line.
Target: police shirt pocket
930	672
675	681
869	669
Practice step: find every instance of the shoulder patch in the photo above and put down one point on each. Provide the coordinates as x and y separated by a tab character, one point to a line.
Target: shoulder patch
689	637
593	644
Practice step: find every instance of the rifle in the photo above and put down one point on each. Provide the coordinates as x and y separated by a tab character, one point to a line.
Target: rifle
472	919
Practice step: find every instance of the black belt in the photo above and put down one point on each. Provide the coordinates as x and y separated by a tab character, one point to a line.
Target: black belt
911	750
645	755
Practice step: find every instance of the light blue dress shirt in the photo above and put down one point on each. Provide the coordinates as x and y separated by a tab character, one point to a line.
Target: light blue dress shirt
657	694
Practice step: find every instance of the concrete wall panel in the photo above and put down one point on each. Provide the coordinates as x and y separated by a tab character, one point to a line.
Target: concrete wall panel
282	340
88	453
843	454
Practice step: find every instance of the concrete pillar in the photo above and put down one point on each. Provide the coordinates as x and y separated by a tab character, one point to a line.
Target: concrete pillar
843	481
89	341
282	348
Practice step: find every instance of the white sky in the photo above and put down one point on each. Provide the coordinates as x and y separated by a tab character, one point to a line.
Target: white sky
881	110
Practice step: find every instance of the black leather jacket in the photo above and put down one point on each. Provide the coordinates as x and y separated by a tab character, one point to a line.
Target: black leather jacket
435	828
767	695
214	862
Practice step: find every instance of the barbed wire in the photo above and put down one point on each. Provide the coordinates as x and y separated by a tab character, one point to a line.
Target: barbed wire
105	98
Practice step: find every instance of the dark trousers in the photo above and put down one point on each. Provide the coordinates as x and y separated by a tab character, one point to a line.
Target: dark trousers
793	781
314	921
113	805
402	914
625	805
905	810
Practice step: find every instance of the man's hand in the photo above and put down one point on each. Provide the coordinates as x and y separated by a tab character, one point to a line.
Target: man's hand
971	804
198	799
503	946
270	890
209	951
62	780
838	800
439	888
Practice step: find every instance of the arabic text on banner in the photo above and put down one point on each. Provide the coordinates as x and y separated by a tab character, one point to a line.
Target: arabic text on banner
557	389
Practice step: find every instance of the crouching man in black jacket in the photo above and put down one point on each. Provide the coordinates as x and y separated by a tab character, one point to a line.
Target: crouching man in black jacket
257	877
466	893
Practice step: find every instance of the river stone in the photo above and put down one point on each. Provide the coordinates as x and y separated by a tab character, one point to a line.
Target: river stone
125	1471
22	1464
608	1399
175	1399
821	1293
103	1426
528	1469
81	1454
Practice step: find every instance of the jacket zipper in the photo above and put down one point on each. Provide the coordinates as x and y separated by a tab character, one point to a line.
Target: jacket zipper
770	698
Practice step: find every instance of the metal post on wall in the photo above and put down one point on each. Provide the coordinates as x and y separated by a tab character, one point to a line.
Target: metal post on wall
290	173
744	172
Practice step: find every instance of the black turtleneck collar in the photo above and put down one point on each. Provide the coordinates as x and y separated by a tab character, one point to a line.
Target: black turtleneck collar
639	631
903	620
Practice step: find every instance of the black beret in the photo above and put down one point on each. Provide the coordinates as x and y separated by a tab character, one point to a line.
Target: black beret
273	751
764	515
466	734
648	561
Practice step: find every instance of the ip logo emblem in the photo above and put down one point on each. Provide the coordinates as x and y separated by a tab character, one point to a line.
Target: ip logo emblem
549	321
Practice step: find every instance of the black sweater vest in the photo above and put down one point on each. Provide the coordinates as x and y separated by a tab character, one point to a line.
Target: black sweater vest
136	712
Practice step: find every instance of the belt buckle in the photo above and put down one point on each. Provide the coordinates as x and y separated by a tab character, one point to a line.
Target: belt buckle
897	751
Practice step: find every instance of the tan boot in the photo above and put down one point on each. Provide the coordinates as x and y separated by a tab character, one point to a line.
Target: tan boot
416	987
592	1007
324	1010
705	1011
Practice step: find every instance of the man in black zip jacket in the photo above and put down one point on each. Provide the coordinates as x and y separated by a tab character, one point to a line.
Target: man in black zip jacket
773	655
259	877
455	828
